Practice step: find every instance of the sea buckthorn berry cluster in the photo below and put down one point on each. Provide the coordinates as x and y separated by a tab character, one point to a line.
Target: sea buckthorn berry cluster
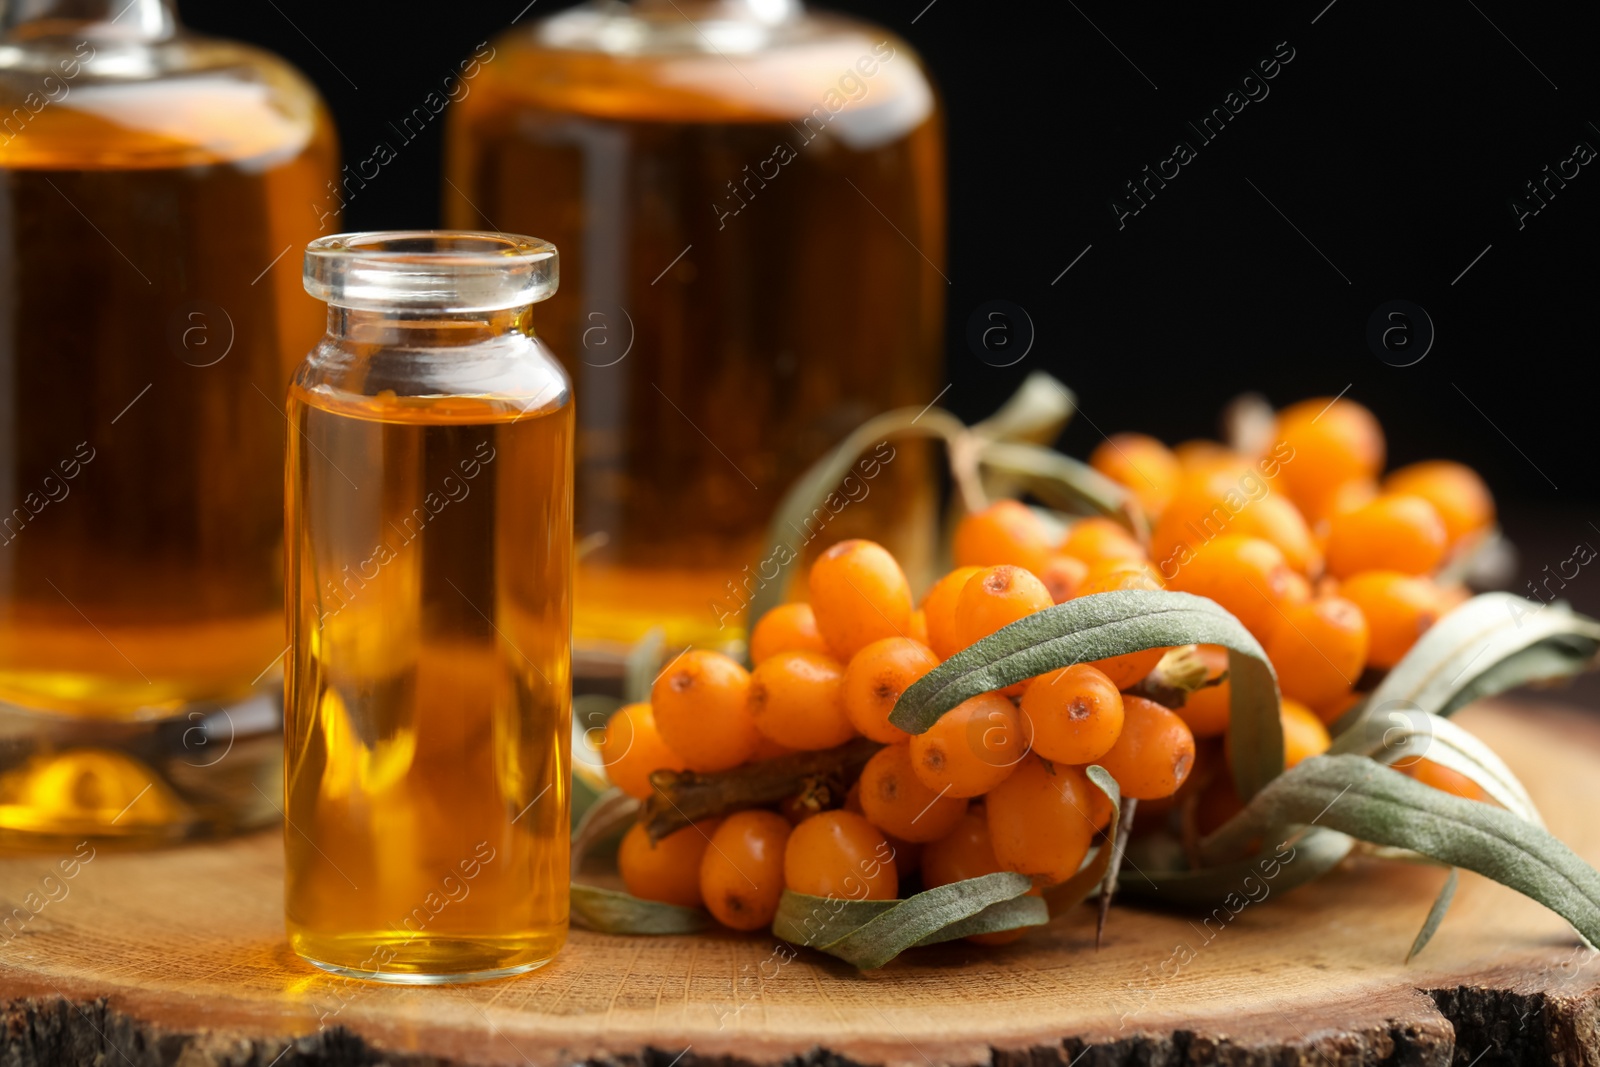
1332	565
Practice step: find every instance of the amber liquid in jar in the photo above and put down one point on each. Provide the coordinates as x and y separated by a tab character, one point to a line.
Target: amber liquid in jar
428	712
146	339
753	246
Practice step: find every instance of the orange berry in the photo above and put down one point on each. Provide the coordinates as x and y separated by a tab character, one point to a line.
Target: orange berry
669	870
859	595
700	708
962	852
966	852
1333	442
1276	519
939	608
839	854
1318	649
1393	533
874	680
1297	589
797	699
1153	754
631	748
894	799
1398	608
1444	779
1128	669
1143	465
1304	735
1039	820
741	872
1246	575
1113	574
918	630
786	628
1097	538
1347	497
1208	508
1074	713
1062	576
1199	456
995	598
972	747
1005	532
1455	491
1207	711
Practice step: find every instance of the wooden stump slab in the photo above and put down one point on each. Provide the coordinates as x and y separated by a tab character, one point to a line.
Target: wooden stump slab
179	958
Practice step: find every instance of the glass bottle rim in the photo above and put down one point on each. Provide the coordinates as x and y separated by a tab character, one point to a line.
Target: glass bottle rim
448	271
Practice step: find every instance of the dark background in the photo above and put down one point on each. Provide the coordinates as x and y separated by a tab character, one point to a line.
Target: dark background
1394	142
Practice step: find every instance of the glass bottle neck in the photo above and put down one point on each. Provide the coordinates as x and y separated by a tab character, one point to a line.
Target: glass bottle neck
429	329
132	20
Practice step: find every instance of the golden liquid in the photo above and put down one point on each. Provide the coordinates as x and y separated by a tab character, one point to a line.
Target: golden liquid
428	699
797	312
145	347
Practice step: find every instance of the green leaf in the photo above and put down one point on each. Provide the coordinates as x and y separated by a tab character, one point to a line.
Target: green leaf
1441	904
1075	890
1278	870
793	526
1113	624
610	911
1362	798
870	933
1037	412
1062	482
1489	644
1442	741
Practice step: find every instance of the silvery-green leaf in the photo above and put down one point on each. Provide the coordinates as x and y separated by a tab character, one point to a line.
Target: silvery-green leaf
1363	798
870	933
1062	482
610	911
1441	904
1489	644
1280	867
1037	412
1102	625
1439	739
793	525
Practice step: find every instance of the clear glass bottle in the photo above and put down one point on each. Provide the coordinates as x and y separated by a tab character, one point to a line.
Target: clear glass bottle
750	201
429	562
152	184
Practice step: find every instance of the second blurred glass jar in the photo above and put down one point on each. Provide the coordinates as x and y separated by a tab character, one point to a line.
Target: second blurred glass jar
152	186
750	200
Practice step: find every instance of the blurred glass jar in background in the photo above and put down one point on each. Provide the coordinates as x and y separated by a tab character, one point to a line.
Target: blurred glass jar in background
155	191
750	200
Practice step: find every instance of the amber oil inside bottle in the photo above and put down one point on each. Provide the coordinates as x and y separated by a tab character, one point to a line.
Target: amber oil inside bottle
749	200
429	572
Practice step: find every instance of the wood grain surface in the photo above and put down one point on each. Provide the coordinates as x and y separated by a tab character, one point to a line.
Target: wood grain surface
178	958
